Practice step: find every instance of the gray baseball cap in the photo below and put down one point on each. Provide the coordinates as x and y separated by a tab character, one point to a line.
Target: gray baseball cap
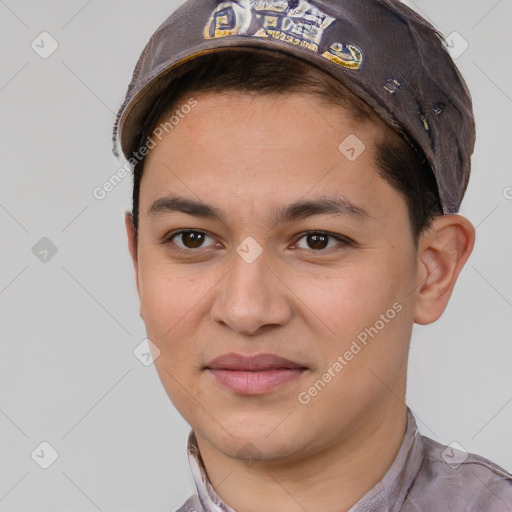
381	50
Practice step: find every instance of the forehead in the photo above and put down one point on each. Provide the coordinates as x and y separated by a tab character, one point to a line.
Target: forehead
255	146
274	104
290	124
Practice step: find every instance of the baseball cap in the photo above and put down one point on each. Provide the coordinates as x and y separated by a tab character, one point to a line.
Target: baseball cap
381	50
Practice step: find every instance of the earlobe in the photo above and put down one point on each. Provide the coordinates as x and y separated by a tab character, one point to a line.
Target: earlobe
442	252
132	244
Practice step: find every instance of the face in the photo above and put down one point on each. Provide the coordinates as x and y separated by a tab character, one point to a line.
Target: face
225	265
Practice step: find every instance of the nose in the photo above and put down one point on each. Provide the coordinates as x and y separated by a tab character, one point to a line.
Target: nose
252	296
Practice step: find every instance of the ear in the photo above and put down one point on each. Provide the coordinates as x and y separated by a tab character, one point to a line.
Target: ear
443	250
132	245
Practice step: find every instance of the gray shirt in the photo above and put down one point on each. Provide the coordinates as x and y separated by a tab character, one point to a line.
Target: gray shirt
425	476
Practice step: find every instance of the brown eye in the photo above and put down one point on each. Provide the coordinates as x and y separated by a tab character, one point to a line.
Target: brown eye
318	241
189	239
192	239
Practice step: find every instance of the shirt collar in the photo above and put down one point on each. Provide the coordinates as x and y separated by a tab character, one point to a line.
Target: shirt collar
388	495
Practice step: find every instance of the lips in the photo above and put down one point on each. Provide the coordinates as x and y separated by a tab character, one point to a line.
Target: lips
258	362
253	375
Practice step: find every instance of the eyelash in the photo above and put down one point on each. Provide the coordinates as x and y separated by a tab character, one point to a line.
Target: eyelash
344	241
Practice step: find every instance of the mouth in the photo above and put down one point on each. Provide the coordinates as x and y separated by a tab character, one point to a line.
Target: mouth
254	375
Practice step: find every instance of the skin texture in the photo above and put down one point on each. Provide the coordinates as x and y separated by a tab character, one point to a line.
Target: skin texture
244	154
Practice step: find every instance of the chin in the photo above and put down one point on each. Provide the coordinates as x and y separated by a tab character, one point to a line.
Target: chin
254	437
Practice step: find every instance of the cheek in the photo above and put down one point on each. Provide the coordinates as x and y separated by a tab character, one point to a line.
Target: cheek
345	299
171	307
166	292
368	303
367	320
169	304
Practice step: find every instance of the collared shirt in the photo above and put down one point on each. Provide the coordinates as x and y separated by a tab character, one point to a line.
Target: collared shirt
425	476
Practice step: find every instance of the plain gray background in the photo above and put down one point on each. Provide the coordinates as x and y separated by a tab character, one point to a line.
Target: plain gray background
69	325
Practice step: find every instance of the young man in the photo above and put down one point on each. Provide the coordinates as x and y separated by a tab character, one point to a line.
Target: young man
298	169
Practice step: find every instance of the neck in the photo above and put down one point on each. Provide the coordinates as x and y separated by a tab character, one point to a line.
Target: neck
332	480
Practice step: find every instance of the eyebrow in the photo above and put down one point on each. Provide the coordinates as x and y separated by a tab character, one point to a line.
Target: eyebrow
335	205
